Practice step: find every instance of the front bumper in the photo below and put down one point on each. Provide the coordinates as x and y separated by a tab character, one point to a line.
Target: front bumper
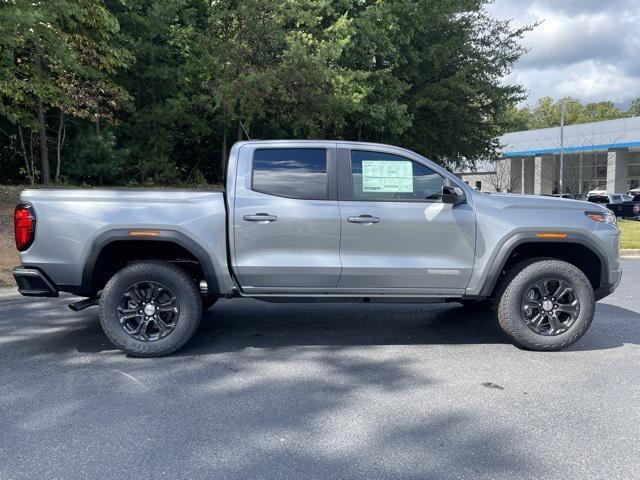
608	288
34	283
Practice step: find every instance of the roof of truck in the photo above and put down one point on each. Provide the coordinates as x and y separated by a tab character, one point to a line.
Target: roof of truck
302	140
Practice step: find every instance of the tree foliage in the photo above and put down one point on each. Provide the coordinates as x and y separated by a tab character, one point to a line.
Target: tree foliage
547	112
57	55
156	91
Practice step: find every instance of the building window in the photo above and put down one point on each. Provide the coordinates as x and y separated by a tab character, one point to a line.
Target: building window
633	173
594	171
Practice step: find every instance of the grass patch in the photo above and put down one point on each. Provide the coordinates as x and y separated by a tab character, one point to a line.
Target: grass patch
9	197
629	233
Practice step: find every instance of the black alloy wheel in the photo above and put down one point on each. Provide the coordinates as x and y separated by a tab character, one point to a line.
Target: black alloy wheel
148	311
150	308
550	306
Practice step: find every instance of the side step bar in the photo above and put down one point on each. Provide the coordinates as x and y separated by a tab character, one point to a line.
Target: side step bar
82	304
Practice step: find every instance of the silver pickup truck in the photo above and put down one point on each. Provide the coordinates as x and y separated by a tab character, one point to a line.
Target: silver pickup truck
318	220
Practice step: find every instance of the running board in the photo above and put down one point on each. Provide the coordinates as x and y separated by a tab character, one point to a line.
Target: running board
82	304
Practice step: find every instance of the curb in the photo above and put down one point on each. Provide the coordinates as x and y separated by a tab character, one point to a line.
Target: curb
630	252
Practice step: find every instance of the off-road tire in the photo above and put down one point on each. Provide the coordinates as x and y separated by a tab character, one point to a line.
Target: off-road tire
512	319
187	296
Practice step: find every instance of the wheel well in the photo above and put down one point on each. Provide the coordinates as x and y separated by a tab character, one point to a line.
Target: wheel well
119	253
579	255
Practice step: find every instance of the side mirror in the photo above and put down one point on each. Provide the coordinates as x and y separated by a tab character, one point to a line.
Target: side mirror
453	195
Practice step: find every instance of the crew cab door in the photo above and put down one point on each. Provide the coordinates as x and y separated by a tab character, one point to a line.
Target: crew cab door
286	221
397	234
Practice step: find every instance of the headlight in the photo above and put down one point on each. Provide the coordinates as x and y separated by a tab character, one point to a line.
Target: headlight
607	216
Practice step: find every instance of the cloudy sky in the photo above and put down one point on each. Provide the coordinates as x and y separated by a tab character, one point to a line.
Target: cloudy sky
589	49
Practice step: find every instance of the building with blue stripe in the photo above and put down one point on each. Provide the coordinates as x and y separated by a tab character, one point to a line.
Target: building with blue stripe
599	155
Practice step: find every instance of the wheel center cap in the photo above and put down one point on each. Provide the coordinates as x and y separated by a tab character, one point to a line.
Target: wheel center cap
149	310
547	305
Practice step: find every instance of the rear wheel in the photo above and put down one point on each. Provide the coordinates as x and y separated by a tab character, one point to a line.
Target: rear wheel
548	305
150	308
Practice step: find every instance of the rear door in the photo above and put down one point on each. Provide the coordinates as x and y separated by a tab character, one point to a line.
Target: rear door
286	221
397	235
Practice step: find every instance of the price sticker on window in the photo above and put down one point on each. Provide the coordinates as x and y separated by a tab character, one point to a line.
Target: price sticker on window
387	176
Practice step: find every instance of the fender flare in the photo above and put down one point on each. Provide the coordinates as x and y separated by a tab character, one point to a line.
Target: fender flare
165	235
507	248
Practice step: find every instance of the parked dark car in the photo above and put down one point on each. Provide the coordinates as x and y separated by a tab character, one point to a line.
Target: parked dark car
628	209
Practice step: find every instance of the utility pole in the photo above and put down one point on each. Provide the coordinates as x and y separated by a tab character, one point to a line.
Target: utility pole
563	111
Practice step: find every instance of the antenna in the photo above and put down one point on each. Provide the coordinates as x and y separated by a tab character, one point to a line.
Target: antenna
244	130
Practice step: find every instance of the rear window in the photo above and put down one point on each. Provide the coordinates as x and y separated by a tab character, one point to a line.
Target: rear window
291	172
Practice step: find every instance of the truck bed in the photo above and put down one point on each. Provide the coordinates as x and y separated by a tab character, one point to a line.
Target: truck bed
72	222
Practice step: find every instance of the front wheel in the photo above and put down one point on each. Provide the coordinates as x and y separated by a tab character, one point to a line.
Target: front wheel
548	305
150	308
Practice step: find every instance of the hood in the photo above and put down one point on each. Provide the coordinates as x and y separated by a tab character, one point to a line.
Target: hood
539	201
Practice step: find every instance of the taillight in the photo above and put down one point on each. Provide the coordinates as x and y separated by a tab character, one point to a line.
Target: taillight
24	224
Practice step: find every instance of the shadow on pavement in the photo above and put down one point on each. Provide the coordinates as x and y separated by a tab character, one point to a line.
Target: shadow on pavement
222	409
234	325
248	412
262	325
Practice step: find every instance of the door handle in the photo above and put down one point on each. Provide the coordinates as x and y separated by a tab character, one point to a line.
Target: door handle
364	220
260	217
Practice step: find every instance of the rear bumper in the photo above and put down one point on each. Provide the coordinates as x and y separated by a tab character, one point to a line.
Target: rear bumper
34	283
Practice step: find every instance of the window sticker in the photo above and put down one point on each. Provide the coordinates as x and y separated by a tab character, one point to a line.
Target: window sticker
387	176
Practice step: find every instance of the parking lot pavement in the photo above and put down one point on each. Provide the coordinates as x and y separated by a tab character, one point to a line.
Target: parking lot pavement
320	391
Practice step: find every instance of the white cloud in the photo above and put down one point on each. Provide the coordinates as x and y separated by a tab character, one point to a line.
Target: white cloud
589	49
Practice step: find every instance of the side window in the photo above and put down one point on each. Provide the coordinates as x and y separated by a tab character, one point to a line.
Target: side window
381	176
291	172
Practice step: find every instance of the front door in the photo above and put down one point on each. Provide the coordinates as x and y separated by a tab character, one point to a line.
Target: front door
397	235
286	219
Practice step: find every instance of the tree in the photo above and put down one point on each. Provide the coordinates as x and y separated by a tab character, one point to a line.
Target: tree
598	111
446	62
58	54
634	108
200	74
517	119
500	177
276	67
95	157
546	113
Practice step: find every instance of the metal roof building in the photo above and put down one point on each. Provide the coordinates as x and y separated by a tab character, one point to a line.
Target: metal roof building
599	155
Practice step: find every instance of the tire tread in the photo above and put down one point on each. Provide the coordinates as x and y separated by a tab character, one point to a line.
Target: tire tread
188	291
510	319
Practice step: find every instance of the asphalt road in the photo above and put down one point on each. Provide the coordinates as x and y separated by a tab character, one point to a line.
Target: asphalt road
320	391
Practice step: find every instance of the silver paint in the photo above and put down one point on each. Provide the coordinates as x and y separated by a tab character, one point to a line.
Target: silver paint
309	247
